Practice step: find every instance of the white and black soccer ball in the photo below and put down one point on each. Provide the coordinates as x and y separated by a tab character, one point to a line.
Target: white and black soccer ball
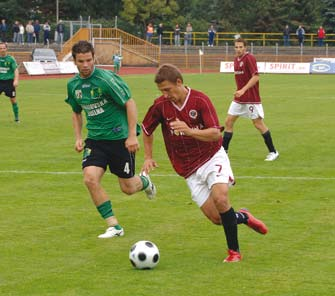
144	255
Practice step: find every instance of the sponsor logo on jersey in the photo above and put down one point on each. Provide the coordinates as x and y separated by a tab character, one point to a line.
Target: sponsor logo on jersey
78	93
193	114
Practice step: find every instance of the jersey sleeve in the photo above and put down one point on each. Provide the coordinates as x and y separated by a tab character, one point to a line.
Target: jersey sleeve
252	65
117	90
72	101
13	64
151	120
209	115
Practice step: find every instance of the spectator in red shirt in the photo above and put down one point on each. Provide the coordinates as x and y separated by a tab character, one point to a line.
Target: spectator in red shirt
321	35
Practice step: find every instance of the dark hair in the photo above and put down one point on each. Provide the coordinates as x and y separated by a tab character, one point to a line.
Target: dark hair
240	39
168	72
5	43
82	46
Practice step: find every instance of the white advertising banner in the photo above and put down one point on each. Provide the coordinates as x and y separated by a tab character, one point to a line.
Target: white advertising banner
227	67
42	68
287	68
266	67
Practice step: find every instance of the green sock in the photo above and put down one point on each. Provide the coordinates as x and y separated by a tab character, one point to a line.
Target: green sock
16	110
117	227
145	182
105	209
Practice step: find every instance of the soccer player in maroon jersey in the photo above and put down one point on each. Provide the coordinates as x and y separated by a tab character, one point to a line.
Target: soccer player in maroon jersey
193	142
247	101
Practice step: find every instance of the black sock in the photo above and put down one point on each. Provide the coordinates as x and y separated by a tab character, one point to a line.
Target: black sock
268	141
241	218
230	228
226	140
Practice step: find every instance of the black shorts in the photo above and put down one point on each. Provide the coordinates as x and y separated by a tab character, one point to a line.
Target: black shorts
8	88
111	153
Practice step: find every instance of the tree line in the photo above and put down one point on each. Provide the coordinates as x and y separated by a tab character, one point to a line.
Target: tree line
226	15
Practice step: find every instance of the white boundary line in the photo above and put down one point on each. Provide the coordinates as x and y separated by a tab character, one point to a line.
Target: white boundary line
310	178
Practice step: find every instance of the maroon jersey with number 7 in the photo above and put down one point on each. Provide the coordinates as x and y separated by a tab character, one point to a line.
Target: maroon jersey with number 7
186	153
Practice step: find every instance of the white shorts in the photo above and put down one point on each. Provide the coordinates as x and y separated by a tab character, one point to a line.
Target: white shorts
216	170
252	111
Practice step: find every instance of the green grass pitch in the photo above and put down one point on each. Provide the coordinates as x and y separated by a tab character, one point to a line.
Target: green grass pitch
49	226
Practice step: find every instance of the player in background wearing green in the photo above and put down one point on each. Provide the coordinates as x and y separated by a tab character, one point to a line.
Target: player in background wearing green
111	117
9	78
117	62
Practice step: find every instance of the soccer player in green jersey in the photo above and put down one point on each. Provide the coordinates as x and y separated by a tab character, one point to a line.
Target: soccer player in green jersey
111	121
9	78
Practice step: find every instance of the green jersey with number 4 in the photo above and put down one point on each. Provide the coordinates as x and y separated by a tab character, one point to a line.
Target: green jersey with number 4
102	96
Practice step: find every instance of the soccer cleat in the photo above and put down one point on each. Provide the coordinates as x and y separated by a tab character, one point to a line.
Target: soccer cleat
233	256
17	120
151	189
111	232
272	156
254	223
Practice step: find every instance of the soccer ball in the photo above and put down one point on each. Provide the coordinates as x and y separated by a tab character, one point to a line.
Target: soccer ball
144	255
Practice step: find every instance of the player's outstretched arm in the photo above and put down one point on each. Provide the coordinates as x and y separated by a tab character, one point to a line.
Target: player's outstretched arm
149	163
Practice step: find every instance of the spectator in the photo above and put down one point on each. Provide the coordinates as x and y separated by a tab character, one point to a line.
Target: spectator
301	35
188	34
16	31
21	33
117	62
46	31
321	36
37	30
3	30
30	32
150	32
211	35
60	29
160	31
177	35
286	35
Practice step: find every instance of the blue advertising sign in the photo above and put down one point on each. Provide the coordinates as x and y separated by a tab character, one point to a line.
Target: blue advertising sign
322	67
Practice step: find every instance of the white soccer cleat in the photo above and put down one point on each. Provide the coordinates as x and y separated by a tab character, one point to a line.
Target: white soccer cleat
111	232
272	156
151	189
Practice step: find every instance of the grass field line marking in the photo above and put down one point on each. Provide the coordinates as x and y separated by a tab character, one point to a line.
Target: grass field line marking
311	178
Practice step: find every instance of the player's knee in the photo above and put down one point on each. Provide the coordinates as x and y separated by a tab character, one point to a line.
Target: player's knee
127	188
90	182
229	123
259	124
215	219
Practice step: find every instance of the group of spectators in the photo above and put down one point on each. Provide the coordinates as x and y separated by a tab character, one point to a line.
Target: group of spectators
188	34
300	33
31	32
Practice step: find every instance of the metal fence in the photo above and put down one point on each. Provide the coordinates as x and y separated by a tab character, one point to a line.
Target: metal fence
258	39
